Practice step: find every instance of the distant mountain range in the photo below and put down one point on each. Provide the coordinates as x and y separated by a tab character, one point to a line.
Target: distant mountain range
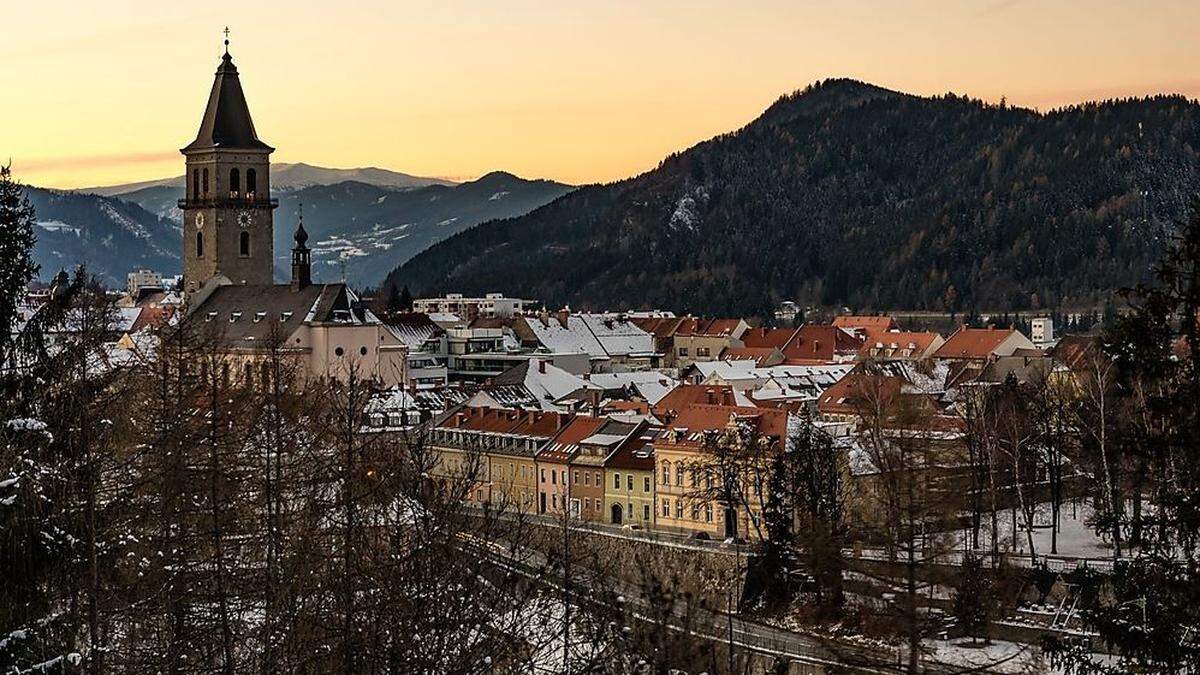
363	226
289	176
851	194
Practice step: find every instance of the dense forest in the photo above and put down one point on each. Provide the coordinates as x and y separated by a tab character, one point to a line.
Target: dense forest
849	194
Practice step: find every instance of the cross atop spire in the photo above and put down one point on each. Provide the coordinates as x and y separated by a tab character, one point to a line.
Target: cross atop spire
226	39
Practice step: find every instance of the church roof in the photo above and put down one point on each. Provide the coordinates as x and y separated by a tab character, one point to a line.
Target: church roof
227	122
247	316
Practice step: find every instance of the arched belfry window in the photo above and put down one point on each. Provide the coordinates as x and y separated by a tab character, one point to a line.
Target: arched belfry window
199	244
244	243
251	182
205	174
195	183
235	182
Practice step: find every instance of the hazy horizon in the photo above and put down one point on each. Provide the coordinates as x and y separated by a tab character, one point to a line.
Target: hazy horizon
579	93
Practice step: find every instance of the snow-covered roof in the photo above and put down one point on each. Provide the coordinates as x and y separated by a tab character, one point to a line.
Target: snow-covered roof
597	335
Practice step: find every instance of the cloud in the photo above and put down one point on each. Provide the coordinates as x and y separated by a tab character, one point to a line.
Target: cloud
93	161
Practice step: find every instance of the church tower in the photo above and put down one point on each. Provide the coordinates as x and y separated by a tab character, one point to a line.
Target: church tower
227	213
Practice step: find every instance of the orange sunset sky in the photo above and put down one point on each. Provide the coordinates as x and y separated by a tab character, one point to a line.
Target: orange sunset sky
100	93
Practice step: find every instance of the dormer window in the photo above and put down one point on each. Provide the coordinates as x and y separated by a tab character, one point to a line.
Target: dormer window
259	316
341	315
285	316
234	316
211	316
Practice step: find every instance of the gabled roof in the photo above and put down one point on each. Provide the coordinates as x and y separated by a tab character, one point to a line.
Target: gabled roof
547	382
815	343
412	328
246	315
691	394
973	343
768	337
563	446
636	452
859	393
866	325
694	419
226	123
1076	351
899	344
761	356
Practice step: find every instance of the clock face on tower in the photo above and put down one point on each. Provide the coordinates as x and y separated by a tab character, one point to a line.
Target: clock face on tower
243	219
199	221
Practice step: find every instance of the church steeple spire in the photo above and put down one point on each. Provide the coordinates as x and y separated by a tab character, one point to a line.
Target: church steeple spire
226	122
301	257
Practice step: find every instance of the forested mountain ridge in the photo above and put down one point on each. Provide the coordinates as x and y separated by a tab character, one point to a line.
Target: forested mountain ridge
845	193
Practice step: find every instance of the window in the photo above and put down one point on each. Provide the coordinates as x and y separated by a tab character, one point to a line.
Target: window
708	513
554	500
683	351
679	475
628	482
695	511
199	244
666	508
204	182
666	473
362	351
195	183
679	509
599	478
543	475
235	182
577	478
339	351
645	483
251	183
587	478
244	244
692	471
617	481
645	512
702	351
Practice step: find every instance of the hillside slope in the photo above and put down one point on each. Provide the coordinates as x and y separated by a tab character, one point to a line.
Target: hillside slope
110	236
846	193
366	229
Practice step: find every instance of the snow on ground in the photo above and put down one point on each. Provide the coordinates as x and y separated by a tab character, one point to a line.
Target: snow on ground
997	657
1076	538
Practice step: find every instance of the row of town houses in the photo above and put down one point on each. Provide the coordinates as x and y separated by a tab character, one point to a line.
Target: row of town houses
610	418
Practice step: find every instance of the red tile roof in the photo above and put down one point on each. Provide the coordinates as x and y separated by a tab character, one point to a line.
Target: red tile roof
768	337
566	441
857	393
760	355
690	394
814	343
868	325
766	421
919	341
973	343
153	317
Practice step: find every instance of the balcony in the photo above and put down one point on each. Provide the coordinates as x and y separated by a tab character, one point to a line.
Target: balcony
245	200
